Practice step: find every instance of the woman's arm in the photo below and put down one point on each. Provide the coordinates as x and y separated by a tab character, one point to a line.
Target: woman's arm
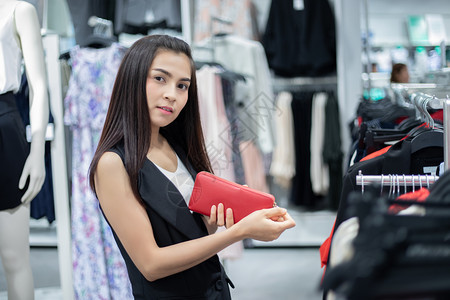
131	224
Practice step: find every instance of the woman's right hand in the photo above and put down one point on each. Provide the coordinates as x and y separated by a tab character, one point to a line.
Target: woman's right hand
265	224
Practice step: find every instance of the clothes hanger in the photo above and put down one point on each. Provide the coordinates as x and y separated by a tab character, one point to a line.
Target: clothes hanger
102	35
431	135
98	42
426	139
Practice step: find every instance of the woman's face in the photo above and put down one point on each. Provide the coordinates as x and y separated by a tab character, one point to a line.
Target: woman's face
167	88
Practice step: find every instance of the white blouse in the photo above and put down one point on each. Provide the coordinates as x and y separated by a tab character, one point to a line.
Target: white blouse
181	178
10	53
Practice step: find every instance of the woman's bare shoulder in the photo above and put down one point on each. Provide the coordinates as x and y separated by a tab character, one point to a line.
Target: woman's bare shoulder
110	159
110	165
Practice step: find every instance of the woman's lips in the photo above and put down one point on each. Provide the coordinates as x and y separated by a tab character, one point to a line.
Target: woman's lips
166	109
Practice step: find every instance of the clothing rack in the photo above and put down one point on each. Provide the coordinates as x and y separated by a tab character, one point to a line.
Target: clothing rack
415	180
211	47
396	180
295	84
211	30
436	103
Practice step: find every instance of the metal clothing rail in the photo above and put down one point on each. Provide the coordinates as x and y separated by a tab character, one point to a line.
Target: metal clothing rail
294	84
396	181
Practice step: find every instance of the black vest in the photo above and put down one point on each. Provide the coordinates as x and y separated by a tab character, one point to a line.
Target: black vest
172	223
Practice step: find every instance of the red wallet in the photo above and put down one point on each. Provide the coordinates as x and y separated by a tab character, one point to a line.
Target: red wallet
210	190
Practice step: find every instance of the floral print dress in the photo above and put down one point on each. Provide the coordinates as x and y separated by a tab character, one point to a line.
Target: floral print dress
99	271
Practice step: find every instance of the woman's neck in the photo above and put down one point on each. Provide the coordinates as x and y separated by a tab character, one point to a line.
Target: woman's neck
155	137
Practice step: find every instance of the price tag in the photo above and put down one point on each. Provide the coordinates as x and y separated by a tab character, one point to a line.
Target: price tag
299	4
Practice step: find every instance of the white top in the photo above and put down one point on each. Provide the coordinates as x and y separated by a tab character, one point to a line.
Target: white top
181	178
10	53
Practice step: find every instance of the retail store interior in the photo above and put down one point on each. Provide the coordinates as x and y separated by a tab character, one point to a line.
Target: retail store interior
309	111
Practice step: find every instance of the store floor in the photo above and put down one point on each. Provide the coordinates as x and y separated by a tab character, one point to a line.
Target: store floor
261	273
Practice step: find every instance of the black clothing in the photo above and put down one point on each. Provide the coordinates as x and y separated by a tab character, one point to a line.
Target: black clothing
394	257
81	11
332	154
398	160
173	223
127	16
131	15
43	205
300	42
301	190
14	150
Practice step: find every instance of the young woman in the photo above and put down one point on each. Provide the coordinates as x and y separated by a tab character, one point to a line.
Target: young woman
143	170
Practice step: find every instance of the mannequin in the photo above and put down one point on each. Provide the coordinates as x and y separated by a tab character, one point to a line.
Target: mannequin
20	38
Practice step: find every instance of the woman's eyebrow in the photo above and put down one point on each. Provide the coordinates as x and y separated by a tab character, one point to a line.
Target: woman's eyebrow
170	75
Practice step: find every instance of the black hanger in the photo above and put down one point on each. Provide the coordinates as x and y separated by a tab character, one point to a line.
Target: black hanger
426	139
408	124
232	76
224	73
96	41
65	55
92	42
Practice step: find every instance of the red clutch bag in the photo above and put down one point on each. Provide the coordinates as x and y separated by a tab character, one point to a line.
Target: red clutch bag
211	190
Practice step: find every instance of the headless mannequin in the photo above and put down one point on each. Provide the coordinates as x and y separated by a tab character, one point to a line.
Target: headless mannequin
14	223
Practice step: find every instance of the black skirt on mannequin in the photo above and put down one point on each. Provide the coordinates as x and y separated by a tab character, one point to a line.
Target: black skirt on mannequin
14	150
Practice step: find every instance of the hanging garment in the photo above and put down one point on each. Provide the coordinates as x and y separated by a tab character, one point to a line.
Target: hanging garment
283	160
301	192
399	159
440	191
217	133
14	151
318	170
139	16
239	13
215	126
300	40
393	257
247	57
43	204
228	87
384	110
82	10
404	157
418	196
332	152
99	271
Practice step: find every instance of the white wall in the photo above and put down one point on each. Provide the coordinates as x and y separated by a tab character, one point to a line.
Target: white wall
387	21
387	18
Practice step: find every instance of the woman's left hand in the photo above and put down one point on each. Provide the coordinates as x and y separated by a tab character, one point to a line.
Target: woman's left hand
218	217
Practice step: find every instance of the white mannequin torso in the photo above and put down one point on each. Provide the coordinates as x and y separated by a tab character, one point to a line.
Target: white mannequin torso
27	35
24	31
10	51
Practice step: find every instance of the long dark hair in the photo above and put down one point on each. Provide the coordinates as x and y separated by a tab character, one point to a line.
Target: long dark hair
396	70
128	119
